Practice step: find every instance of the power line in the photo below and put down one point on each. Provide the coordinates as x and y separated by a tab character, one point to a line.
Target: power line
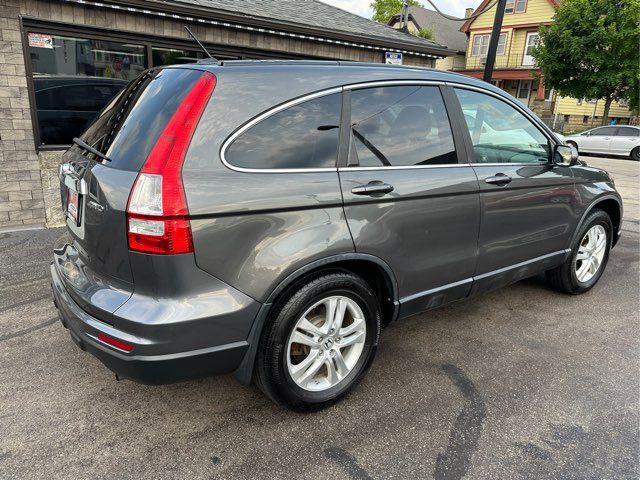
450	17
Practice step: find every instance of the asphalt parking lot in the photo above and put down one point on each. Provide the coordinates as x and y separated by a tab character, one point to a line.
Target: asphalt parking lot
523	383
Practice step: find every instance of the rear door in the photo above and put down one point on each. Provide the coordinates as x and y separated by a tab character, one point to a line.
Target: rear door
408	198
626	139
94	259
528	203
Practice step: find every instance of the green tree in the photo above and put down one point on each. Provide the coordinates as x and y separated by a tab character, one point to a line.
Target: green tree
383	10
425	33
591	51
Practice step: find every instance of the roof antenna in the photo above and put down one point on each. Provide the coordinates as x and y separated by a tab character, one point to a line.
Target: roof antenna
201	46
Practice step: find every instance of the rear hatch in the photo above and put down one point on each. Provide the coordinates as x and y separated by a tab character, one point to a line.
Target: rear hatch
96	182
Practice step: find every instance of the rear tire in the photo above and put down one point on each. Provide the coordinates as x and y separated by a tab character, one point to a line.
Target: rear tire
635	154
285	367
587	261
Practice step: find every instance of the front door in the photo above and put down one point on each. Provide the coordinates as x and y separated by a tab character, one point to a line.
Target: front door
407	200
528	203
532	40
599	141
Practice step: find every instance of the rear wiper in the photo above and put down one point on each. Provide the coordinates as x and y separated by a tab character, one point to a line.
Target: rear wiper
90	149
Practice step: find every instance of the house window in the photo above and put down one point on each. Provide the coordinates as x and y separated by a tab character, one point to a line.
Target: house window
515	6
580	101
524	90
623	102
592	100
481	45
548	94
566	118
585	119
73	78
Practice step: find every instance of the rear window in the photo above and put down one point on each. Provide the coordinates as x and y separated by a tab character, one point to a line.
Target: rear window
302	136
128	127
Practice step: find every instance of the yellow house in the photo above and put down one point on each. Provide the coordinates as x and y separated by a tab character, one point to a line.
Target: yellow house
515	68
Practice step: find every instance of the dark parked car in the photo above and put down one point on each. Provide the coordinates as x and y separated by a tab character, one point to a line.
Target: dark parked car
268	218
66	105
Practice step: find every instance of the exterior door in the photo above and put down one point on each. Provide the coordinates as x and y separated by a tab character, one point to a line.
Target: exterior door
625	140
530	42
600	139
407	200
524	91
528	210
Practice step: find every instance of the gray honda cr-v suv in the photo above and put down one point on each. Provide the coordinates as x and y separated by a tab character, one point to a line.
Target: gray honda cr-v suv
268	218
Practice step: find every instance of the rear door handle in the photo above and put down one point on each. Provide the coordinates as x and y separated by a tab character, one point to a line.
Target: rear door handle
498	179
373	188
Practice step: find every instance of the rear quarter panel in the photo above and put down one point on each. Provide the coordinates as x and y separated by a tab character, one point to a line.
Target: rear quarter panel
251	230
263	226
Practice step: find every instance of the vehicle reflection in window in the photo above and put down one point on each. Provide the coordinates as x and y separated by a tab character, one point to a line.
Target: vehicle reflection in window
500	133
74	78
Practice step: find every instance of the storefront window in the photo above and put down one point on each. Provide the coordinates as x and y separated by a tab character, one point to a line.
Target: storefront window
73	78
172	56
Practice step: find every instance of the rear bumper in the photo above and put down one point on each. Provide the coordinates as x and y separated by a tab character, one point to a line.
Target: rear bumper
145	368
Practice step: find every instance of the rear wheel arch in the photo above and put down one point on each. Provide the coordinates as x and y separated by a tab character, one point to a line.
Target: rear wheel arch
373	270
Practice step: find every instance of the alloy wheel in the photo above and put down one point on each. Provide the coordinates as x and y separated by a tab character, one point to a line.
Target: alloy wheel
591	252
326	343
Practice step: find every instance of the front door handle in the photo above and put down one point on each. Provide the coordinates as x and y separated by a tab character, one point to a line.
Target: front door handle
498	179
373	188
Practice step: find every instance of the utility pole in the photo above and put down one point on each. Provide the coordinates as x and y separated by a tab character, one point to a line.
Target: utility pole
493	43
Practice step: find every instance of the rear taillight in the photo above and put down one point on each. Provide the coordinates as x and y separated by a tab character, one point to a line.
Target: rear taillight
157	213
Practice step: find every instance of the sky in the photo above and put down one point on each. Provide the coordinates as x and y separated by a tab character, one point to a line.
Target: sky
361	7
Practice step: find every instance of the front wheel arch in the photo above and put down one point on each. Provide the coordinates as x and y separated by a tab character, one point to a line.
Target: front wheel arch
611	206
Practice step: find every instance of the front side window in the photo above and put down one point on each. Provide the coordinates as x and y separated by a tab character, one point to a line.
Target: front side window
400	126
301	136
499	132
604	131
74	78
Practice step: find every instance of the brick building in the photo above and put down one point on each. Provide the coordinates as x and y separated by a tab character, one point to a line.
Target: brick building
62	60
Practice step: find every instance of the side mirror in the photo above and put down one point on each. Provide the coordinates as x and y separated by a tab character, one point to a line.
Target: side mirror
565	155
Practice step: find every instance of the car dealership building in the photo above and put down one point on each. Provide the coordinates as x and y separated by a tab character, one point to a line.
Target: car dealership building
62	60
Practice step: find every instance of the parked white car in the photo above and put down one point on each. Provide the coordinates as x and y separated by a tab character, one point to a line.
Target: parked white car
609	140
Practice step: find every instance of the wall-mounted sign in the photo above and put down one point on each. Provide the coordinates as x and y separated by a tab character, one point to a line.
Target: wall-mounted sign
393	58
40	40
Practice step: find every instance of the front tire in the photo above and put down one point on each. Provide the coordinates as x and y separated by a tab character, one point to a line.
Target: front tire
635	154
319	342
589	256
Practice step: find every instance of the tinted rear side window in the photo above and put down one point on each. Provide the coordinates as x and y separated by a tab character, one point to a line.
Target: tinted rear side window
302	136
128	127
628	132
400	126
